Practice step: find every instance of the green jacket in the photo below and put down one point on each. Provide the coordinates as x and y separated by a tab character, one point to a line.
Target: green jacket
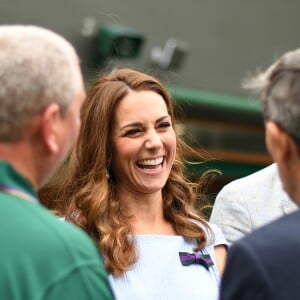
40	256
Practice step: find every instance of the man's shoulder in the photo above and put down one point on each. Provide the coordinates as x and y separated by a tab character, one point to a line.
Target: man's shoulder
256	185
275	235
35	223
266	174
263	264
61	231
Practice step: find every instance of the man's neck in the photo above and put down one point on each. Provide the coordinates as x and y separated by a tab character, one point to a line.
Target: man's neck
21	159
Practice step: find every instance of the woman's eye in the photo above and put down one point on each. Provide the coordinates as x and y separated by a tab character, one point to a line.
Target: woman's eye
132	132
164	124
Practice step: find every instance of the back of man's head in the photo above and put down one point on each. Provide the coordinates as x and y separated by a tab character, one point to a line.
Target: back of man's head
37	67
279	90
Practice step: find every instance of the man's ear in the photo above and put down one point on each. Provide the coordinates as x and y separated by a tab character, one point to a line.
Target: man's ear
280	145
50	126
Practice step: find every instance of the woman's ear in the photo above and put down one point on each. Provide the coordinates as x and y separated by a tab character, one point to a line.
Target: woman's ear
50	126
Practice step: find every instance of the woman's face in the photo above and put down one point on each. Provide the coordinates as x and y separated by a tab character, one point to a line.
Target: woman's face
143	143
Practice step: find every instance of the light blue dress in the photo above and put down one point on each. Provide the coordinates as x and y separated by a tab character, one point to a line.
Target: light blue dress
159	274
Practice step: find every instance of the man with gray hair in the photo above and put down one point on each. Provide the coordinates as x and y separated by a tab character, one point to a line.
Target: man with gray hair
264	264
41	93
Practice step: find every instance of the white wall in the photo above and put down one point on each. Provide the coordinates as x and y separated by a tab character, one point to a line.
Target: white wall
227	38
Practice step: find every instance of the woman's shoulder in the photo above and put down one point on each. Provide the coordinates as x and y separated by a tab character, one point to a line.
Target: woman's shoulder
213	233
219	237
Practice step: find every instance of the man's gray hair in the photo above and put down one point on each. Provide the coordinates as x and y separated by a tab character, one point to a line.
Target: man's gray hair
279	89
37	67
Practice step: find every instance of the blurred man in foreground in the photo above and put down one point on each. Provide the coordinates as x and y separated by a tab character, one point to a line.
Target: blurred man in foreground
41	93
264	265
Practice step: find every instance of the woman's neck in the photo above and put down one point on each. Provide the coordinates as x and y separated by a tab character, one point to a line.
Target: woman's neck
146	213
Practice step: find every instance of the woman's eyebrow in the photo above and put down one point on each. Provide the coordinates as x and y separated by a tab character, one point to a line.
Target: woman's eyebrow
134	124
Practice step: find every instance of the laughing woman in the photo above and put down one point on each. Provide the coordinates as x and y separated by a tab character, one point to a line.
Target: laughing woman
128	191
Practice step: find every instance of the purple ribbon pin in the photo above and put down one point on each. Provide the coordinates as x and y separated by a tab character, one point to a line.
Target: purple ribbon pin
195	258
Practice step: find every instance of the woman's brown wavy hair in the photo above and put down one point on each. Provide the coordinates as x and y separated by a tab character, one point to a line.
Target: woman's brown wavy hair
88	197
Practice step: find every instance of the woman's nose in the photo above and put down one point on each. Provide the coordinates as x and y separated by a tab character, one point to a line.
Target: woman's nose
153	140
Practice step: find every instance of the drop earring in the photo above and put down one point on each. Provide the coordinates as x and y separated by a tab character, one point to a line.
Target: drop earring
107	170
